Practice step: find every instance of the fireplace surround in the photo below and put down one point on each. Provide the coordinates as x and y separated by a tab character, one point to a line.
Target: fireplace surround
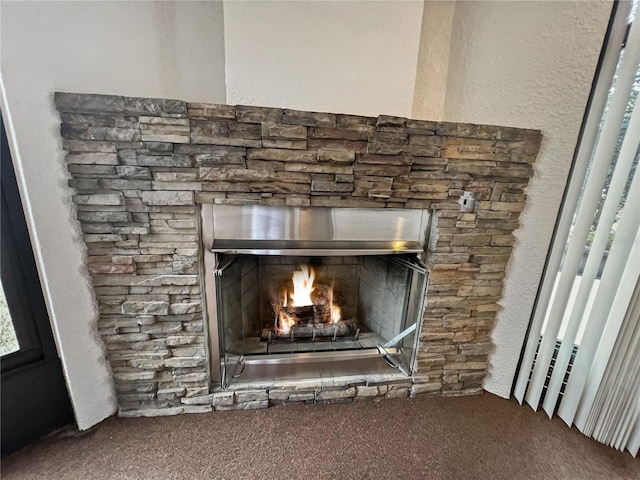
323	286
143	171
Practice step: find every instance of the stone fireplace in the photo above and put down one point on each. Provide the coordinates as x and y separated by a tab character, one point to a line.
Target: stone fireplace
145	172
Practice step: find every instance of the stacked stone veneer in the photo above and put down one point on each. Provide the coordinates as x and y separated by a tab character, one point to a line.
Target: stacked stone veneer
140	167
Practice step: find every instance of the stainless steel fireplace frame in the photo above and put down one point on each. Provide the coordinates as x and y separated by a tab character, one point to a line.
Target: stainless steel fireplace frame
314	231
276	230
314	357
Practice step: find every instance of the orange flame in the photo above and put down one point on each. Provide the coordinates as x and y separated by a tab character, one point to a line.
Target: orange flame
286	322
302	286
336	314
300	296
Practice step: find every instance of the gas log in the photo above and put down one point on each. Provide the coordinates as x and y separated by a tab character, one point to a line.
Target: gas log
343	328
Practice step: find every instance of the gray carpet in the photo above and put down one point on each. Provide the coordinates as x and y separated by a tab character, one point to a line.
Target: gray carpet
438	438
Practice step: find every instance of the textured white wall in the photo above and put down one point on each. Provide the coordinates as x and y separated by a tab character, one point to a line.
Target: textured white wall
433	60
349	57
525	64
129	48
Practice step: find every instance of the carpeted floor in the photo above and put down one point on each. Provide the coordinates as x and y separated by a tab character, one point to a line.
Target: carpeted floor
438	438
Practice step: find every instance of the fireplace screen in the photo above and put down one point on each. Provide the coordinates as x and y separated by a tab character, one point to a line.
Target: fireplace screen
298	300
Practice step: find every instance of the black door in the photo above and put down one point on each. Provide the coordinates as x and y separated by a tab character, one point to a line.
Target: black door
34	399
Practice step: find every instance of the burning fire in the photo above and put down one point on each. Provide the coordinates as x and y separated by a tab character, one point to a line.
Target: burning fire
303	286
297	305
286	322
336	314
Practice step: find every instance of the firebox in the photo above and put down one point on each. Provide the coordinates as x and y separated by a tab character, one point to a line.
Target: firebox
294	291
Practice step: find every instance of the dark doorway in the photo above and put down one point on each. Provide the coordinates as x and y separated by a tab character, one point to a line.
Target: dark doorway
34	397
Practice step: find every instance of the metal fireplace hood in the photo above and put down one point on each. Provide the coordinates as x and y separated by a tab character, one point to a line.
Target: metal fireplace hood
308	231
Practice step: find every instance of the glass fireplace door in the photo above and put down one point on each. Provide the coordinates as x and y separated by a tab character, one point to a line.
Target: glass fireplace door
407	344
353	307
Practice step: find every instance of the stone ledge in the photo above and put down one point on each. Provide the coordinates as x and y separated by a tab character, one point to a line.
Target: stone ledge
118	105
161	412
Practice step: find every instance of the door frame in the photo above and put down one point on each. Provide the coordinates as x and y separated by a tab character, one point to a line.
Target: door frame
34	397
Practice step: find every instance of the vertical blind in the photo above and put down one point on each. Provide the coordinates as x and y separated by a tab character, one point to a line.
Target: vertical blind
582	357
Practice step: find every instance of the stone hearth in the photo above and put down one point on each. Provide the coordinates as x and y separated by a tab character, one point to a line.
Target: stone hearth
141	167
